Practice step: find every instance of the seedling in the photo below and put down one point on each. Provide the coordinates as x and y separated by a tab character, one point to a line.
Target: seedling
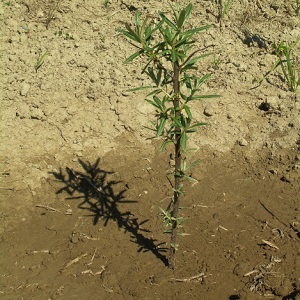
51	13
40	61
223	8
105	3
165	44
297	9
287	62
64	35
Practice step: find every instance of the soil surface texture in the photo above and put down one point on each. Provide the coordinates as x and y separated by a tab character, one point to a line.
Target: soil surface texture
81	181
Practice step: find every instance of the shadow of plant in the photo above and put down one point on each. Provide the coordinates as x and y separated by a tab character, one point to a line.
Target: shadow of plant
100	198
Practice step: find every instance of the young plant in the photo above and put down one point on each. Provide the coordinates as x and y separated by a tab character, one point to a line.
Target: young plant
223	8
165	44
40	61
297	9
288	63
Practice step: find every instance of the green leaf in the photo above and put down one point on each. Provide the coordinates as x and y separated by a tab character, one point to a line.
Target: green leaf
191	179
154	104
161	126
40	61
164	145
198	124
183	140
157	91
177	122
139	88
133	56
158	26
203	97
181	19
138	18
193	164
150	73
158	76
174	57
195	30
202	80
157	100
168	21
183	96
188	10
188	112
192	61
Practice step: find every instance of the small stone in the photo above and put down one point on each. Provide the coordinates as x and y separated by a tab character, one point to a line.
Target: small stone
242	142
25	89
37	113
284	289
242	269
286	178
209	110
74	240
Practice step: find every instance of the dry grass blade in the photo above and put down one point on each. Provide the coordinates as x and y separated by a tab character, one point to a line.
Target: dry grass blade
270	244
196	277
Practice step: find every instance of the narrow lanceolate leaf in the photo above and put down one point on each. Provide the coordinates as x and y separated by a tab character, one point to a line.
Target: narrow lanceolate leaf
40	61
158	102
161	126
164	145
183	140
188	111
154	104
130	33
195	30
177	122
138	18
188	10
157	91
195	59
139	88
174	57
181	19
193	164
133	56
198	124
168	21
203	97
202	80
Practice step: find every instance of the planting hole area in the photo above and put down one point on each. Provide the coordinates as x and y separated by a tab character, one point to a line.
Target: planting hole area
82	181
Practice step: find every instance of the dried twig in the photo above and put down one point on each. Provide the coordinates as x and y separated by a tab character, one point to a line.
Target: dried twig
48	207
8	188
223	228
270	244
92	257
41	251
75	260
196	277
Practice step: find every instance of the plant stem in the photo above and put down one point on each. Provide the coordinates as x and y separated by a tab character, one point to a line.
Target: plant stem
176	104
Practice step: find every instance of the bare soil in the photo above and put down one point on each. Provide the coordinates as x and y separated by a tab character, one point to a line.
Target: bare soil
82	183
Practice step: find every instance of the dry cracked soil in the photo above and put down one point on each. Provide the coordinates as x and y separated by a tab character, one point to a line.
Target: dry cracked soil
82	183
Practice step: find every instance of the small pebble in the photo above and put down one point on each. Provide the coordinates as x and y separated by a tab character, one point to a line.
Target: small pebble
25	89
242	142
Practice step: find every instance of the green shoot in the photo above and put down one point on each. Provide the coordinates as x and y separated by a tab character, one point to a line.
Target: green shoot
40	61
288	63
105	3
297	9
166	47
223	8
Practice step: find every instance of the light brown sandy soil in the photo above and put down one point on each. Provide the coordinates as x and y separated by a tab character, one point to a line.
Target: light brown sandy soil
81	185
